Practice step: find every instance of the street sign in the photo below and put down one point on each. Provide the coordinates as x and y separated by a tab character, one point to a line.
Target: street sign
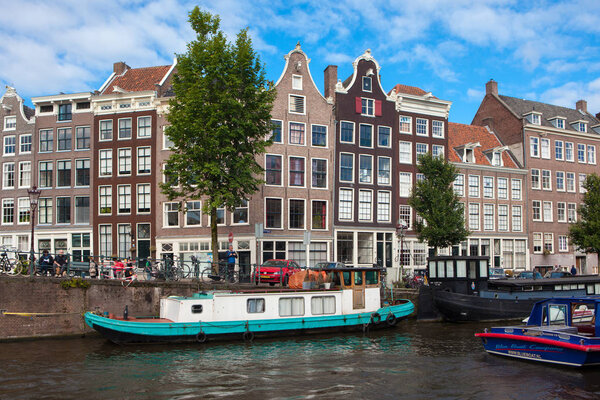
258	231
306	238
266	231
230	237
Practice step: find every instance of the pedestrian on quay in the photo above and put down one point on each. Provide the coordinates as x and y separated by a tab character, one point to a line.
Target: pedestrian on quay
60	264
118	268
231	256
46	263
93	268
573	270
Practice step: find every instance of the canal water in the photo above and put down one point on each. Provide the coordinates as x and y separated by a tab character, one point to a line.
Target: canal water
413	361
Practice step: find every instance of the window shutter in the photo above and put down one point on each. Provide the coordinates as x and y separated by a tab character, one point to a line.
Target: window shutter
358	103
378	108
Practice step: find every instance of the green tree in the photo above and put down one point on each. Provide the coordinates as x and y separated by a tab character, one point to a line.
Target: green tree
219	120
433	198
585	233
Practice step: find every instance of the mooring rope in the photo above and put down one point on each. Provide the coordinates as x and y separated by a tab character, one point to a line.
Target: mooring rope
33	314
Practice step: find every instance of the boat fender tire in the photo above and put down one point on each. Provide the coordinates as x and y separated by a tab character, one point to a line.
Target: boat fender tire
248	336
391	319
201	337
375	318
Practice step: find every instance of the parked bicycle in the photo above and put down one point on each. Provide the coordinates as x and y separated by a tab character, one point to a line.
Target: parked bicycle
224	274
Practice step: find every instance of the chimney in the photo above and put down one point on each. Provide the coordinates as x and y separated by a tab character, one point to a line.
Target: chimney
598	116
120	67
330	80
491	87
581	105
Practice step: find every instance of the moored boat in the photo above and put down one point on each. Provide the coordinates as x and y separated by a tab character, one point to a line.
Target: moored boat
558	331
351	302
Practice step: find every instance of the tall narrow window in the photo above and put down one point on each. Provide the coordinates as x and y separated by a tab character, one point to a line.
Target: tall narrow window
346	167
64	139
273	210
63	210
106	127
515	189
124	232
384	206
45	174
144	128
346	132
105	241
240	214
319	214
273	169
366	135
502	188
437	129
473	186
45	210
193	213
296	171
143	198
46	140
8	176
366	169
502	217
276	131
82	210
10	145
144	160
405	149
319	173
63	173
8	211
124	196
25	174
459	185
383	136
534	146
25	144
82	138
171	214
365	205
125	128
319	136
345	204
296	133
64	112
105	163
517	222
405	184
384	170
124	161
105	199
296	217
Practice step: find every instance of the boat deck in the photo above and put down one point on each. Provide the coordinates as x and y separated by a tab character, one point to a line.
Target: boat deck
143	319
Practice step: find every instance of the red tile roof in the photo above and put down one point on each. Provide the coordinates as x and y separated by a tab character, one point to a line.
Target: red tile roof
138	79
409	90
460	135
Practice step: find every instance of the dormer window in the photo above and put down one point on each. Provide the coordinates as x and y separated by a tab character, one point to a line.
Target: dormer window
497	159
10	123
469	156
367	84
558	123
64	112
534	118
580	126
297	82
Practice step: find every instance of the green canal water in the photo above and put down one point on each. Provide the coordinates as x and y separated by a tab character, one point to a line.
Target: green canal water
413	361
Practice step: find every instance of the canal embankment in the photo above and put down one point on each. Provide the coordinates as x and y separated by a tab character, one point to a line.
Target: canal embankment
42	307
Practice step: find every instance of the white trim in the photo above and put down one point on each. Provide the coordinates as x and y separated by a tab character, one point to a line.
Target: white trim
137	203
340	167
281	172
326	172
353	132
339	197
326	215
162	81
289	217
298	50
390	137
289	142
289	110
100	213
105	84
372	136
283	212
372	182
282	130
185	224
289	174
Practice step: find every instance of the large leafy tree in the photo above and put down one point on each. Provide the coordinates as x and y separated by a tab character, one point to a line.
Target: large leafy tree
219	120
434	199
585	233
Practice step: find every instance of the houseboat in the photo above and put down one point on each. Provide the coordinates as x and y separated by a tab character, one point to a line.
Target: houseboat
559	331
460	289
349	300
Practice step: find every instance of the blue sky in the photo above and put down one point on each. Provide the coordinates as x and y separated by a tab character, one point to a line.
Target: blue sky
547	51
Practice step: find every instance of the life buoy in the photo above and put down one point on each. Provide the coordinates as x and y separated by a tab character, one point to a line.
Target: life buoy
201	337
391	319
375	318
248	336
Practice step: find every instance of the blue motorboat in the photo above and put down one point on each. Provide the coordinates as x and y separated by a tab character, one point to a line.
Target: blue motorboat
349	299
558	331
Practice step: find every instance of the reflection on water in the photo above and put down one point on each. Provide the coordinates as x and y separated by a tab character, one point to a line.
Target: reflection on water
414	361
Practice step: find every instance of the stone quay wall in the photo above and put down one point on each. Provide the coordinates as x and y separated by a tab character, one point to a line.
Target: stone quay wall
56	311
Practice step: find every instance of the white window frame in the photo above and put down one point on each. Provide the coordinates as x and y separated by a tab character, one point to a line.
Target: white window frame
289	180
105	192
295	80
340	177
388	217
143	117
353	131
534	147
433	128
408	121
545	148
381	182
341	198
10	123
289	215
405	188
290	96
360	203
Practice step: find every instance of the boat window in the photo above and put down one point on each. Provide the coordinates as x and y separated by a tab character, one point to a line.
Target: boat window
371	277
557	287
583	313
574	287
589	289
196	308
597	288
441	269
581	286
472	270
461	268
432	269
320	305
449	269
334	278
558	314
566	287
291	306
358	278
483	268
255	306
347	278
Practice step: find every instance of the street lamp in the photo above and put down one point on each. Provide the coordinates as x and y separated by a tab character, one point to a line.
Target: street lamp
34	195
400	231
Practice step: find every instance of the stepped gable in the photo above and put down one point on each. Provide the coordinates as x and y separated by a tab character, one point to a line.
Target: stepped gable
138	79
461	134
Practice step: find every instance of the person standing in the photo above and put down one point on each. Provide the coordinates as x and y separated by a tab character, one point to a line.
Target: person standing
573	270
231	256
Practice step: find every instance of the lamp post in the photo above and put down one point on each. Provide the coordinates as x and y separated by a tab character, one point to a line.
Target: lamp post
34	195
400	231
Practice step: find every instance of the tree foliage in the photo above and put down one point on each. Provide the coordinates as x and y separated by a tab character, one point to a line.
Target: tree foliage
433	198
219	119
585	233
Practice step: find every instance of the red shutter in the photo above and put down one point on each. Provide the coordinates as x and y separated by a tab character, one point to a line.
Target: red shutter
358	102
378	108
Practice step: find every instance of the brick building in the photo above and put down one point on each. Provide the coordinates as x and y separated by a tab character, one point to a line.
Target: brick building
558	148
490	184
125	137
18	159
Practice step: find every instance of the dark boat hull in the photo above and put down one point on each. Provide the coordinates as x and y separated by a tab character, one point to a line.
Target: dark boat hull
462	307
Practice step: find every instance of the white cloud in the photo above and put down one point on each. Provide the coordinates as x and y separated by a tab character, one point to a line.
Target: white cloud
475	94
569	93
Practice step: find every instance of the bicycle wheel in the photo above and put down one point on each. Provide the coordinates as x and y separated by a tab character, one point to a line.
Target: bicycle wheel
20	268
5	265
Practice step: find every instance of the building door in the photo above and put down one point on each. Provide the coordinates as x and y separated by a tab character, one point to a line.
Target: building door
244	261
580	264
143	241
358	291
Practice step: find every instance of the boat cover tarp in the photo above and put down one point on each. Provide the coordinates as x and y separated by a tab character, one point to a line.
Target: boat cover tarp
297	278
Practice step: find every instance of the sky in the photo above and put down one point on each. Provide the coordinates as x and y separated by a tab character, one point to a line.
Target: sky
547	51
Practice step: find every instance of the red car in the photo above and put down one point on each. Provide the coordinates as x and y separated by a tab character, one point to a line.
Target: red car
275	272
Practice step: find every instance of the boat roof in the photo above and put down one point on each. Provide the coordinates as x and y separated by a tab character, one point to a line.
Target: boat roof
515	282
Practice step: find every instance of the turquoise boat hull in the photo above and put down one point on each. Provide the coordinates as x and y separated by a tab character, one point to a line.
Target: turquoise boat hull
132	331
